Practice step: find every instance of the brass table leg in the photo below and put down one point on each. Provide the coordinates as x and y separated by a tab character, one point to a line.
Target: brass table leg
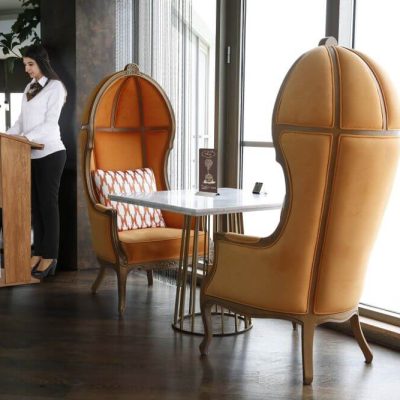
182	273
229	322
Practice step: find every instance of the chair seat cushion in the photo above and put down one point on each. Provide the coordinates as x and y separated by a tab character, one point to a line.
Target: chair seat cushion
129	216
155	244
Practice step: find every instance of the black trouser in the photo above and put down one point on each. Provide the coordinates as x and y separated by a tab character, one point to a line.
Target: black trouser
46	177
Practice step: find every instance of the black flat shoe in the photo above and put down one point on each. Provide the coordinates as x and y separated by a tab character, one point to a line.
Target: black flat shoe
35	266
50	270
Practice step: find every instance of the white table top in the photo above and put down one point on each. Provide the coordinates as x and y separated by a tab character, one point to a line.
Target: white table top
188	202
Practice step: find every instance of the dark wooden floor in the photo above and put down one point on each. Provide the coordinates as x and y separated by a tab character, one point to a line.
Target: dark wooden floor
57	341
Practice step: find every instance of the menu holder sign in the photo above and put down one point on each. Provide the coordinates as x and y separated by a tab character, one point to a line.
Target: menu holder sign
208	172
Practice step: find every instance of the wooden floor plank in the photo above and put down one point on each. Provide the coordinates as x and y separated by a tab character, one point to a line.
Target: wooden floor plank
58	341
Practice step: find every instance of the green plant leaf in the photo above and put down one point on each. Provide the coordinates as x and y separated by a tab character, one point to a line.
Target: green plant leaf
33	3
8	37
21	30
15	42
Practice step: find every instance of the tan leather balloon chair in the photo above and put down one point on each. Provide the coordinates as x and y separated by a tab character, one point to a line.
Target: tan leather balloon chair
335	129
129	125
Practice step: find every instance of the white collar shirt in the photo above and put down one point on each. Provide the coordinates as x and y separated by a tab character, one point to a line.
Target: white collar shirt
39	117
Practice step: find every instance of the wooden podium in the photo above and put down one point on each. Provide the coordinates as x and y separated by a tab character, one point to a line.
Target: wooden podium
15	201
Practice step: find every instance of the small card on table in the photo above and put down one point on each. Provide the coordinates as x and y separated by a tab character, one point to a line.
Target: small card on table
208	172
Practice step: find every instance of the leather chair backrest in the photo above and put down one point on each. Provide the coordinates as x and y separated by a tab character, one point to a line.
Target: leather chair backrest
335	129
130	124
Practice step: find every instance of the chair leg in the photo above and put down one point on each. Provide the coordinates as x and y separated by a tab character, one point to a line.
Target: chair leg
99	279
307	338
207	322
150	277
358	334
122	274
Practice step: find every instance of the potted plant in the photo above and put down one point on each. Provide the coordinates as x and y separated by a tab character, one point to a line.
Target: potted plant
22	29
12	44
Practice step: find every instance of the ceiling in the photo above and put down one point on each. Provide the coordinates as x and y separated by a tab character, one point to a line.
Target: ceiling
9	5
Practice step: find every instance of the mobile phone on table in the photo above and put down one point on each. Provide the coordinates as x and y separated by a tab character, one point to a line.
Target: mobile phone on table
257	188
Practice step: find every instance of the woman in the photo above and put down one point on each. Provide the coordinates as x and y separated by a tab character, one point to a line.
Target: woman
42	102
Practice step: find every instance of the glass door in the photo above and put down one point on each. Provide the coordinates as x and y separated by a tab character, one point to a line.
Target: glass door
276	34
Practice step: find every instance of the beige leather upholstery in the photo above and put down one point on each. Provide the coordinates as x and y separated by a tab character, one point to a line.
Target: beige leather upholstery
312	72
335	130
282	267
128	123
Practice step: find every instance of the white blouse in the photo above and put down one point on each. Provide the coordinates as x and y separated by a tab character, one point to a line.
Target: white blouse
39	117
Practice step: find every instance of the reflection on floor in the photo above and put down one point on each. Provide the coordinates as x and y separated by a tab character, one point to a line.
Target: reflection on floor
60	342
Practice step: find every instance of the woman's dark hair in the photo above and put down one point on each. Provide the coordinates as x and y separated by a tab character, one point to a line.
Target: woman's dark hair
40	55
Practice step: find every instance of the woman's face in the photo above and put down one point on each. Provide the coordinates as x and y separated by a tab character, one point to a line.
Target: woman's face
32	69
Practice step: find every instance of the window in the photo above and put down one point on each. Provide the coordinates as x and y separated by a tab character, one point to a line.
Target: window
276	33
381	286
10	109
13	83
3	109
15	106
174	42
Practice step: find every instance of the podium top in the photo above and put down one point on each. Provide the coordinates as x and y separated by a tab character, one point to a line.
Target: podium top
22	139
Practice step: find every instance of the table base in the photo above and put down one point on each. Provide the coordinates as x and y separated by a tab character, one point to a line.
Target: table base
186	316
224	324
